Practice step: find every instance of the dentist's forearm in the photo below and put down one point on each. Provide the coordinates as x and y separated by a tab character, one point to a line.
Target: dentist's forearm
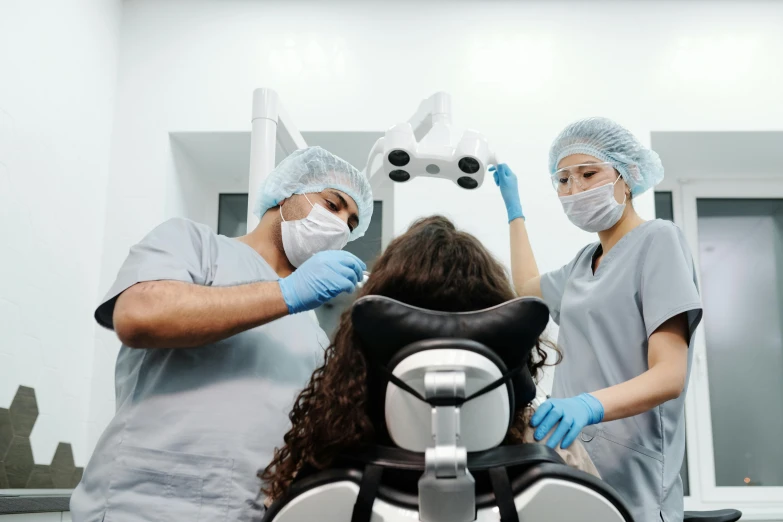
173	314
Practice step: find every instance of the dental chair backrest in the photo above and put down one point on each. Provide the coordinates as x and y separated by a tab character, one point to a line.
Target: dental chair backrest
443	390
411	342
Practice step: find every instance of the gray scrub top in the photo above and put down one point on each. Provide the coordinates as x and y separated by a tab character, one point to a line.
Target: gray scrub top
605	322
193	425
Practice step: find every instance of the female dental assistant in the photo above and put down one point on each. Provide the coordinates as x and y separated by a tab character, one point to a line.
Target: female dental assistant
627	307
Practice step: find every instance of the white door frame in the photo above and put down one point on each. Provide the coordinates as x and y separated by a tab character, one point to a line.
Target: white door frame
701	461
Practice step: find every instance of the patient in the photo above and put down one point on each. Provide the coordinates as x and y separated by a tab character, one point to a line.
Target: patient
434	266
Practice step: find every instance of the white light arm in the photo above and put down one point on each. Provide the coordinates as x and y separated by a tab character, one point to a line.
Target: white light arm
435	108
377	150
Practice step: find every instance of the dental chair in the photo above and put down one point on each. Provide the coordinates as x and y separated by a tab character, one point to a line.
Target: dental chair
442	390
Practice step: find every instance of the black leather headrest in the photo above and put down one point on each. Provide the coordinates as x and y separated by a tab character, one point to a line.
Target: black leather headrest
511	329
386	326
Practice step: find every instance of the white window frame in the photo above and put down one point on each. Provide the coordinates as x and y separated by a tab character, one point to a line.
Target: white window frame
757	502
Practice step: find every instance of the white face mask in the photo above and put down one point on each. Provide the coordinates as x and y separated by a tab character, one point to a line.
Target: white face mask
594	210
320	230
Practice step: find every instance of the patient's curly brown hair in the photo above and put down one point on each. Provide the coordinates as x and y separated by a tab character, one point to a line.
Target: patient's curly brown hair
433	265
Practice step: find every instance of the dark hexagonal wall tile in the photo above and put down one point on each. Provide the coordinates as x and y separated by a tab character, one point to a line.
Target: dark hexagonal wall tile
40	478
77	477
3	478
24	411
62	467
6	432
17	468
19	462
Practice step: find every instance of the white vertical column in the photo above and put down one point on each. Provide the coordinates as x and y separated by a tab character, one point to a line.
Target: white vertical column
263	141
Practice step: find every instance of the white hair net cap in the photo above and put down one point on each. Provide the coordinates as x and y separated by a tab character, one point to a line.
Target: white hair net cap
313	170
640	167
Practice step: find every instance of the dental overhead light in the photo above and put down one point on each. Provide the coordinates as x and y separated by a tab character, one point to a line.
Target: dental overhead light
440	153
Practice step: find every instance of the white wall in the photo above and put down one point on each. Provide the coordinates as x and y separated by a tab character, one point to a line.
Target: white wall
192	192
58	63
517	71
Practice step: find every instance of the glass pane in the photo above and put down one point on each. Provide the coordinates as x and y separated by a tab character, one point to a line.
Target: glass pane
232	215
740	251
663	206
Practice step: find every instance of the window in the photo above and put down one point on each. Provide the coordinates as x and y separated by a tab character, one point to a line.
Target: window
735	230
741	260
664	208
232	215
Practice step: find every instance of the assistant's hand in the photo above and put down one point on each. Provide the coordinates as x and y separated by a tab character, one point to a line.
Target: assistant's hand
569	415
319	279
507	181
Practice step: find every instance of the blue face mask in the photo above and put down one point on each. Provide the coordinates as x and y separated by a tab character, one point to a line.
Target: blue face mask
594	210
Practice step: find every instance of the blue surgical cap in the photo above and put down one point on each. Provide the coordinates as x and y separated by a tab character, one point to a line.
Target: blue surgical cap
640	167
313	170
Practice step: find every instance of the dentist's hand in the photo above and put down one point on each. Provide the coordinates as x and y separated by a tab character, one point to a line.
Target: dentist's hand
321	278
507	181
570	416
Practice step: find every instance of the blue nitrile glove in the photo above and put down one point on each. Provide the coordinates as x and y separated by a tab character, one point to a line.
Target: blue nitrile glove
322	277
507	181
570	416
